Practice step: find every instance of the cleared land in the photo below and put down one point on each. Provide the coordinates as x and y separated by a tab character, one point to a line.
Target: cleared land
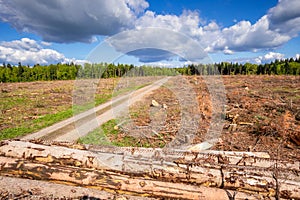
262	113
79	125
28	107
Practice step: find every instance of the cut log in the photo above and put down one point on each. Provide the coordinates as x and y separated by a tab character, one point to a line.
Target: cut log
111	181
153	172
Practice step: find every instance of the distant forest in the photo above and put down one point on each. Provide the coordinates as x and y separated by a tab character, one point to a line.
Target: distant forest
71	71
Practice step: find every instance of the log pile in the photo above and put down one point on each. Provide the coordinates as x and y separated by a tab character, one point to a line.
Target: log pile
157	173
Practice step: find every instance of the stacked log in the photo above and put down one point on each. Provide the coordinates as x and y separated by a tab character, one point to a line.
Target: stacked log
157	173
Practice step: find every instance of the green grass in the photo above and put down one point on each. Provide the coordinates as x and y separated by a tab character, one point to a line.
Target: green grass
99	99
129	89
50	119
284	89
107	135
95	137
35	125
101	135
296	97
10	102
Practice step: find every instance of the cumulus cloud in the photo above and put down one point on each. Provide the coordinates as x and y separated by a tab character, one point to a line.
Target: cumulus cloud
23	44
28	52
147	55
244	36
269	57
163	37
71	20
138	6
269	32
265	58
227	51
155	44
285	17
137	28
280	24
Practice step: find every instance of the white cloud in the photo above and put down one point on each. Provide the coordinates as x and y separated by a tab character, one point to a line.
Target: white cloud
271	56
28	52
76	61
46	43
155	44
170	35
188	22
71	20
278	26
79	21
285	17
227	51
243	36
23	44
272	30
138	6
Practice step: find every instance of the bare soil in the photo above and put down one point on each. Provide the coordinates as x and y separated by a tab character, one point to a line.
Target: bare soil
262	114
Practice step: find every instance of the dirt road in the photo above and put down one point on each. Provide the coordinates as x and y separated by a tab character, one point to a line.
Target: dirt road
80	125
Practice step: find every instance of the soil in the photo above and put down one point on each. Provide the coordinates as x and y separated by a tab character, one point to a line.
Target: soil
261	114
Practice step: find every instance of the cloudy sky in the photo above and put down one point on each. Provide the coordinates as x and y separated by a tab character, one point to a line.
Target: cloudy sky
148	31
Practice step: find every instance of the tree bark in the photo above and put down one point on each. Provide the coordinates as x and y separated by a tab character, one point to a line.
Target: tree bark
154	172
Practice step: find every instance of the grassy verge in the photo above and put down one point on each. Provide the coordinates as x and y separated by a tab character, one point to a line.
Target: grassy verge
128	89
107	135
35	125
99	99
50	119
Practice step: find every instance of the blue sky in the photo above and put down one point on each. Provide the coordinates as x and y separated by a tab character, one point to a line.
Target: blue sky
148	31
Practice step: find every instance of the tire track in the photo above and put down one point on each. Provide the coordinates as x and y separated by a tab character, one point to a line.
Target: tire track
80	125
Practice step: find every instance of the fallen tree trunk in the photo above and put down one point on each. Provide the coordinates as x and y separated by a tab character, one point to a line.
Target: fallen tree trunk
106	180
154	172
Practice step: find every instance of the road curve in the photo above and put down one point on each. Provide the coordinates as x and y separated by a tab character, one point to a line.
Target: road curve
80	125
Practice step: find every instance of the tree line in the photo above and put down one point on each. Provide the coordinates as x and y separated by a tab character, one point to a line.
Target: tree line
71	71
278	67
20	73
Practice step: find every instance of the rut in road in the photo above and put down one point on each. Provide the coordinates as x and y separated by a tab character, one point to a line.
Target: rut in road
80	125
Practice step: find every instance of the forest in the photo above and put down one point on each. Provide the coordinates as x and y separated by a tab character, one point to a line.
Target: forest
71	71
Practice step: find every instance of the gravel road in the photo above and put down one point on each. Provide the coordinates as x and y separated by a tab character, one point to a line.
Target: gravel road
80	125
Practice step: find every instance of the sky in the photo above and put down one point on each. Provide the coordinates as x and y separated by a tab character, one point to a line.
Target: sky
164	32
